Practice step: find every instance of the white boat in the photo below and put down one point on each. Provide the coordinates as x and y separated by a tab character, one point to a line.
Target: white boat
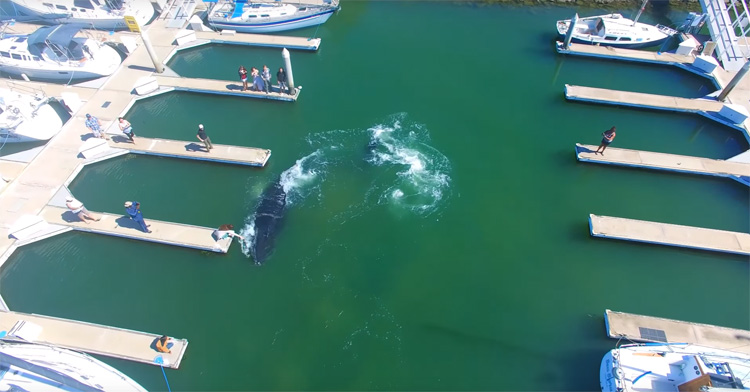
267	17
97	14
26	118
673	367
615	30
35	367
53	53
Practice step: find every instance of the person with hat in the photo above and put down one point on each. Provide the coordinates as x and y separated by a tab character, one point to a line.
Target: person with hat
204	138
95	126
77	208
133	209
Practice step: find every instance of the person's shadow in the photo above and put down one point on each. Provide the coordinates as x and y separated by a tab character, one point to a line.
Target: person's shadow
126	222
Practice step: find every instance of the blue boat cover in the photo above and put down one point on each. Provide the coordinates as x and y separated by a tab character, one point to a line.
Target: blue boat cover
238	5
59	35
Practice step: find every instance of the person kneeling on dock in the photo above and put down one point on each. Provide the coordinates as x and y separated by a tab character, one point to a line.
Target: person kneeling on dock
226	231
127	129
164	344
77	208
134	210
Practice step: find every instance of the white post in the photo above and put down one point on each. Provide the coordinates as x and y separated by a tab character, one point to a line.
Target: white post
736	79
150	49
288	66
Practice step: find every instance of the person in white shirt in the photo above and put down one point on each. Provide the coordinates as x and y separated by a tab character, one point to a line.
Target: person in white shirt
77	208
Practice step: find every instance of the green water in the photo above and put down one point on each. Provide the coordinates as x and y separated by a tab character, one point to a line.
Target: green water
479	275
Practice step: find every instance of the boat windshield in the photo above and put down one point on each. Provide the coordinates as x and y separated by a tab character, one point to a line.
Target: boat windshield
83	4
599	24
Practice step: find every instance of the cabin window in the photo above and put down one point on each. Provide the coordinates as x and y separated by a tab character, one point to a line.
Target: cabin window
303	9
20	39
5	54
48	4
61	7
609	38
25	58
625	39
35	58
264	16
283	13
15	56
252	16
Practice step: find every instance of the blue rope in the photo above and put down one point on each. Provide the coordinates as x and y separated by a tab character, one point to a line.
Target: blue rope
165	378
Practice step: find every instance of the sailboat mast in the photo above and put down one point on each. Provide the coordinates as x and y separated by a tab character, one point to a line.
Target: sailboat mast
640	11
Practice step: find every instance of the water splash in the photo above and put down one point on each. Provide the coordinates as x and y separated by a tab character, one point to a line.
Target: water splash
422	180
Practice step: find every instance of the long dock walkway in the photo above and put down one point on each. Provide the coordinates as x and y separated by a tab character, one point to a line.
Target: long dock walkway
91	338
668	162
669	234
655	329
249	156
640	56
640	100
271	41
167	233
222	87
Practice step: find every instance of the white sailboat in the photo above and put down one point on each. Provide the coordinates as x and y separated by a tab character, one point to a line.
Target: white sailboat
53	53
673	367
261	17
97	14
616	30
26	117
34	367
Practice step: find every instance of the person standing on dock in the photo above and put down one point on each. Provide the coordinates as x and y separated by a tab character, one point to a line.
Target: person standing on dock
95	126
77	208
266	76
127	129
204	138
608	136
281	78
133	209
243	77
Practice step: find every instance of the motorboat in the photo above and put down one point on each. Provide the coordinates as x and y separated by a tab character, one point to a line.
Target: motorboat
54	53
27	117
258	17
35	367
96	14
673	367
616	31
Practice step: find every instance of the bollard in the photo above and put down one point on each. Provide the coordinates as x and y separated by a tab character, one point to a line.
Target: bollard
158	66
288	69
569	33
736	79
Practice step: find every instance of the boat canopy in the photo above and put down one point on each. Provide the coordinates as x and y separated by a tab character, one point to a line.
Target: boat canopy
238	5
60	35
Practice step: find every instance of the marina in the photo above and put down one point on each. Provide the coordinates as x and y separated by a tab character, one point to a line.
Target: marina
90	338
669	234
739	171
366	192
639	328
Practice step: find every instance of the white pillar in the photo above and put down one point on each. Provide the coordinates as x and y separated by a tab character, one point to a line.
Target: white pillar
150	49
569	33
288	67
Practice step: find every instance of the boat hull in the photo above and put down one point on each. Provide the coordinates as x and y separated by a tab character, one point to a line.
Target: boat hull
141	10
624	45
45	124
271	27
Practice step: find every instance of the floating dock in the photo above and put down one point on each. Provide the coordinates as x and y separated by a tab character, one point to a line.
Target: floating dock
641	100
654	329
221	87
611	53
91	338
262	40
248	156
668	162
669	234
167	233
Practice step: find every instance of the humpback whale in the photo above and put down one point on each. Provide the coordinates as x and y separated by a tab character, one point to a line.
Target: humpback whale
268	219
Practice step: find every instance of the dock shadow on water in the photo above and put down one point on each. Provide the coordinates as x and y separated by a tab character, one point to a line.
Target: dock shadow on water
412	176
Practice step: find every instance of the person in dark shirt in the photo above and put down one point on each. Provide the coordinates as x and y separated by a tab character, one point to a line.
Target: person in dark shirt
607	137
204	138
243	77
281	78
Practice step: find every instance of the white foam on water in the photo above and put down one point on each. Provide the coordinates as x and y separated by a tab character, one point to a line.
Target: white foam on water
424	179
248	232
302	173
